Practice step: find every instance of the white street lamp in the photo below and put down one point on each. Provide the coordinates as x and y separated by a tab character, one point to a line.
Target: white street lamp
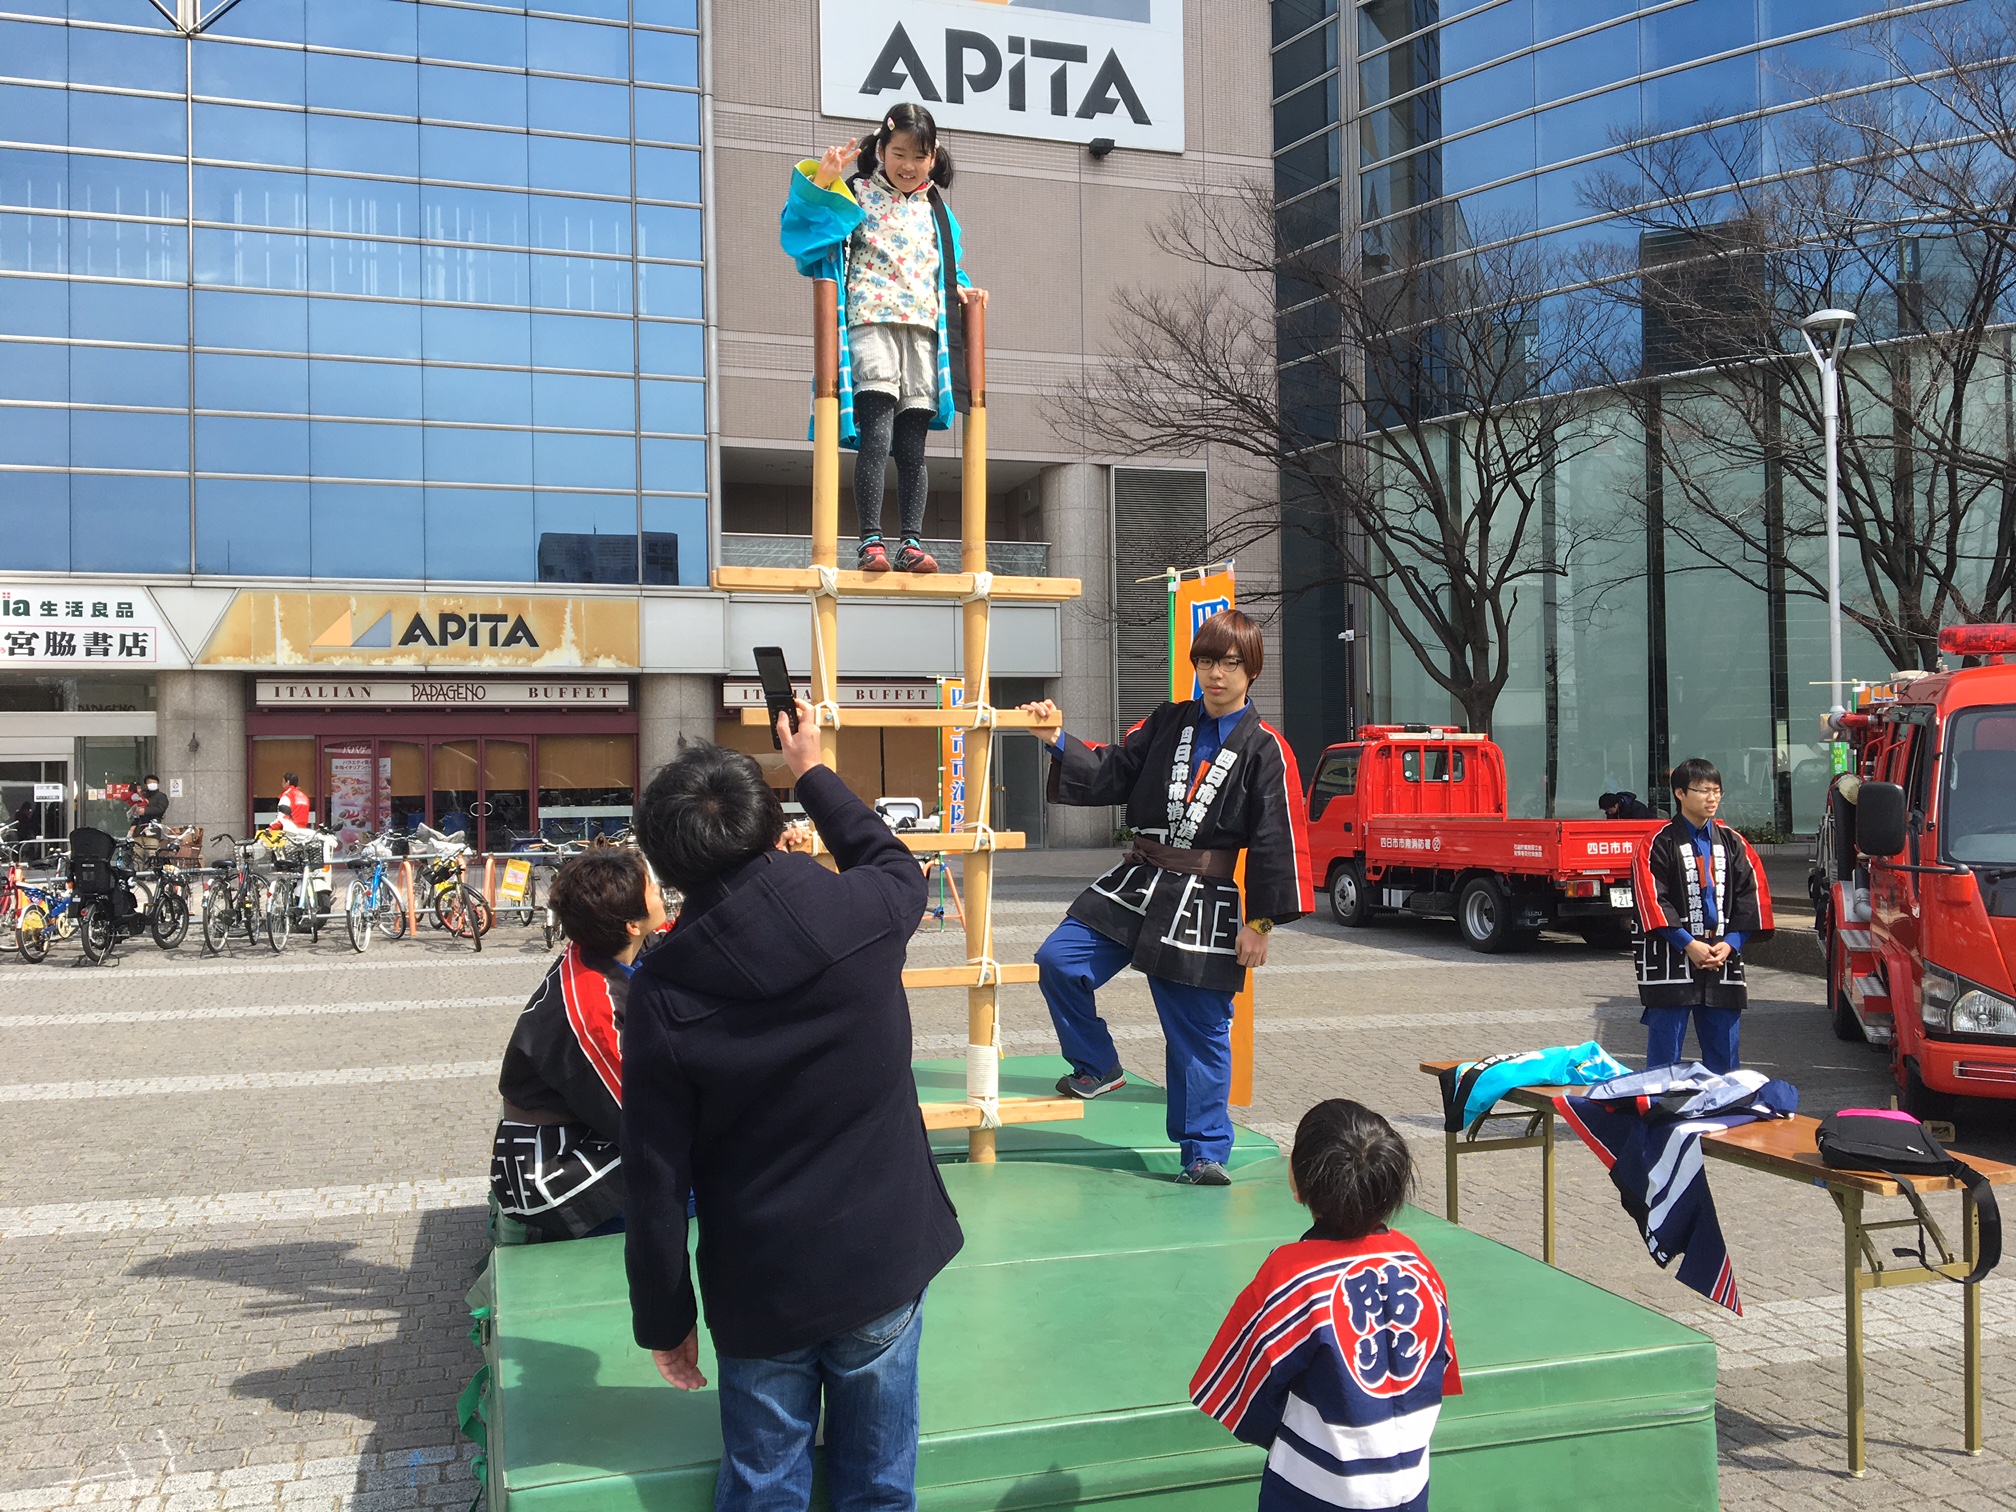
1826	333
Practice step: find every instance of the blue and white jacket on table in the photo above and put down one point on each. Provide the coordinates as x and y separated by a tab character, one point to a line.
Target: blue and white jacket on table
1335	1359
817	227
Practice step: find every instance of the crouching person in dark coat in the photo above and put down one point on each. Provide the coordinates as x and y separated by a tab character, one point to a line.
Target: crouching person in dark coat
766	1059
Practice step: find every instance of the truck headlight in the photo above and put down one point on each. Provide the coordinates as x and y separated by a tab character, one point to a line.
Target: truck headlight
1957	1005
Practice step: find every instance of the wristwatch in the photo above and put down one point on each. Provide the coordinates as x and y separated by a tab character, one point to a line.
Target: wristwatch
1260	926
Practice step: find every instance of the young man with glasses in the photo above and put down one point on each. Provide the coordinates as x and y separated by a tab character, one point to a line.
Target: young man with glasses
1202	781
1702	896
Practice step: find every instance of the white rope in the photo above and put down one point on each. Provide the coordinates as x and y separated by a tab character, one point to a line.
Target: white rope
983	588
826	712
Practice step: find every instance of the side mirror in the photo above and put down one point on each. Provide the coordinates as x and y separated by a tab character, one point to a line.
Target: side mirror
1879	819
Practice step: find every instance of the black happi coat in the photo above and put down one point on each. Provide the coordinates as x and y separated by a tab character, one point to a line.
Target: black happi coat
1183	928
1666	878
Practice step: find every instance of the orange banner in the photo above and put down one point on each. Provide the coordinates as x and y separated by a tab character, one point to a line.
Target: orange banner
1193	600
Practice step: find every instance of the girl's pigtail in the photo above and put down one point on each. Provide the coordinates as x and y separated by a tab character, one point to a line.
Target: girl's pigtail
941	168
864	165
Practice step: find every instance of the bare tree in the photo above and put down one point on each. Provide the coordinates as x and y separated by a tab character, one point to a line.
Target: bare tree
1410	405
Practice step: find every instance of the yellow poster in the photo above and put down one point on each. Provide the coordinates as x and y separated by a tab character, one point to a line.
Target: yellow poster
1194	596
463	631
511	888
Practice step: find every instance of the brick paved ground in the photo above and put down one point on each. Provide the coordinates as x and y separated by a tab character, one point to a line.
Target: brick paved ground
242	1202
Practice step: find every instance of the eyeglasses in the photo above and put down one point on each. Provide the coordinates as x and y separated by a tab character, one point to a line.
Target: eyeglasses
1211	663
1705	792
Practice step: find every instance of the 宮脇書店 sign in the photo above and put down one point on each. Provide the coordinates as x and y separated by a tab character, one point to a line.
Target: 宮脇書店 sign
437	692
78	626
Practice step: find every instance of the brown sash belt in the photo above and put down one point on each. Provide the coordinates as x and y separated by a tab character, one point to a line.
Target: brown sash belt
1195	863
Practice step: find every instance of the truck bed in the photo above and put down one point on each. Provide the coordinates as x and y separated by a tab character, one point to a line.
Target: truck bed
1553	848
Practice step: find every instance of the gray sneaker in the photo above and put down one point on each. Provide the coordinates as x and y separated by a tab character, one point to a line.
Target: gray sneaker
1085	1088
1204	1173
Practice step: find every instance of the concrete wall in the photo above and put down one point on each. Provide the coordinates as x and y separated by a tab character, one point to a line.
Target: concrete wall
1074	511
200	738
670	705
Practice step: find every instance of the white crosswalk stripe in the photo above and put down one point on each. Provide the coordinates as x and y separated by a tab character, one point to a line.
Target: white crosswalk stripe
244	1081
121	1215
242	1011
316	1485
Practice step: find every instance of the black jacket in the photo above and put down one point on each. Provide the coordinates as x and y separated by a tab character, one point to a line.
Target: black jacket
766	1064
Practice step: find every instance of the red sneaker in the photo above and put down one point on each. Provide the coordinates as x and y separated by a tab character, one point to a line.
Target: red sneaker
872	558
914	558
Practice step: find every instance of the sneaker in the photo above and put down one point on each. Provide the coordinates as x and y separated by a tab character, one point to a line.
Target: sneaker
1204	1173
914	558
1085	1088
873	557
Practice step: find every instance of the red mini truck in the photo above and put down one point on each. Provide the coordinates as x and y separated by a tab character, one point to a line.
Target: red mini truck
1411	819
1916	881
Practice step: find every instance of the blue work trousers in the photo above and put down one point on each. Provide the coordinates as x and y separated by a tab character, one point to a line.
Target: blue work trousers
1716	1028
1074	963
770	1411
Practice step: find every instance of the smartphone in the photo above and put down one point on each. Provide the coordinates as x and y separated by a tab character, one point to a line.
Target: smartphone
776	689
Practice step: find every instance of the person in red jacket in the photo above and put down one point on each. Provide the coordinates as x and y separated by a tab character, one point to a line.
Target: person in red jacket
294	805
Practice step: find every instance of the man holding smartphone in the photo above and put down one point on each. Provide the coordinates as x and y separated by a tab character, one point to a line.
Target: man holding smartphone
766	1068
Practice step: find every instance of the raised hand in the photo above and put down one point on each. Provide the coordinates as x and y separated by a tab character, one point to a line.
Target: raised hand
973	297
835	161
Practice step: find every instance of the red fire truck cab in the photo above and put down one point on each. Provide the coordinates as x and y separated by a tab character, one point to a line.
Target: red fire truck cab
1916	882
1411	819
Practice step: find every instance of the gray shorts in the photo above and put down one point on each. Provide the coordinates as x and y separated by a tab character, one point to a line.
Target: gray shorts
899	360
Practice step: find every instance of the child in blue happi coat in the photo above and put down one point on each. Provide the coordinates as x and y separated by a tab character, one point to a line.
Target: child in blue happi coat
870	216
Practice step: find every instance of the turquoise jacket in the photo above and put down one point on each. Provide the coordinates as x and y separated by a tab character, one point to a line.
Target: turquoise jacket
817	227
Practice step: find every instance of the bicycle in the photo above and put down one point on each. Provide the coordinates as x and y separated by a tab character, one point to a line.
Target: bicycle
44	917
236	900
297	905
376	902
167	884
450	902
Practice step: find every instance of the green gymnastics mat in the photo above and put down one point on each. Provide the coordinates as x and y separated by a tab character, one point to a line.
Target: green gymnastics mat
1058	1349
1122	1131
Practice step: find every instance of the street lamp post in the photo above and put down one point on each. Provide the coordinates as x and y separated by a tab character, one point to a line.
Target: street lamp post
1826	333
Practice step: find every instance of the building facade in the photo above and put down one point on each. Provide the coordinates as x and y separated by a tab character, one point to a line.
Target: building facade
381	380
1501	121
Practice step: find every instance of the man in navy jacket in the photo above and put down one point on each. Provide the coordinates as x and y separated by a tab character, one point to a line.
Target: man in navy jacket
766	1068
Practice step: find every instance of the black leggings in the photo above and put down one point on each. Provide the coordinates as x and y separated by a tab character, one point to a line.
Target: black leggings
883	431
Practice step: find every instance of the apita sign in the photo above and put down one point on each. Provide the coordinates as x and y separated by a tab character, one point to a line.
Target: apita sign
1061	70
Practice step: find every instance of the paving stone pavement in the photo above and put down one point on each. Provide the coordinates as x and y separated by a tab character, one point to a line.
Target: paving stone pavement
243	1200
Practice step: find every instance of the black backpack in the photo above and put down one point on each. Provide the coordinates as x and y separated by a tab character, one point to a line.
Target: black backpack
1882	1139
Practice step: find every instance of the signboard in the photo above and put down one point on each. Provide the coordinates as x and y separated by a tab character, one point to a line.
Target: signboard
952	759
1056	70
417	692
747	693
78	626
48	792
1193	598
432	631
517	877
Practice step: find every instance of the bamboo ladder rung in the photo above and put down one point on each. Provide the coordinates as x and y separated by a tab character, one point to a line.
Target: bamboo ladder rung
1013	1110
961	718
931	843
935	585
1006	974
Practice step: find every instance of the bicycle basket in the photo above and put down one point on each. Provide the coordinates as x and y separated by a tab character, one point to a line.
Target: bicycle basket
91	877
188	852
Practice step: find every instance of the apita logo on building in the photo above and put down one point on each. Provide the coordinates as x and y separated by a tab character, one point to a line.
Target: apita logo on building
1060	70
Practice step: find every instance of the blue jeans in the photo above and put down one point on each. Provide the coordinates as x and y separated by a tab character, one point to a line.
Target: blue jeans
770	1410
1716	1028
1196	1024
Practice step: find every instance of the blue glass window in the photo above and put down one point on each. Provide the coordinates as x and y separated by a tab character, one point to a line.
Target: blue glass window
107	438
1699	30
251	197
1589	62
677	407
669	290
478	456
246	134
129	249
579	341
342	449
1300	114
592	167
35	307
125	60
668	173
127	186
675	466
1554	18
582	283
1489	155
127	312
108	375
568	461
227	444
469	275
1504	90
668	12
585	515
363	207
1505	211
34	51
376	84
572	105
375	269
35	520
232	72
665	231
34	180
1307	58
1487	34
252	322
368	531
1712	89
575	225
34	437
503	337
687	520
469	36
466	155
245	527
665	115
35	243
277	385
383	26
481	396
494	217
252	259
360	328
385	390
607	10
270	20
673	350
566	399
579	48
342	145
480	535
37	372
128	524
667	58
29	114
467	94
1587	125
119	123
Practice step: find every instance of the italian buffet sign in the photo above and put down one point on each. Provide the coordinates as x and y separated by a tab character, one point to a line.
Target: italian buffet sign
465	631
436	692
1057	70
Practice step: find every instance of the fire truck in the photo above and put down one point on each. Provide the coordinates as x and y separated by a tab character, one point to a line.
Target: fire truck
1410	819
1915	885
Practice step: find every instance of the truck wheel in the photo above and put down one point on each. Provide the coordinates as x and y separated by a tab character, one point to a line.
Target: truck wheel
1484	915
1920	1101
1846	1026
1350	904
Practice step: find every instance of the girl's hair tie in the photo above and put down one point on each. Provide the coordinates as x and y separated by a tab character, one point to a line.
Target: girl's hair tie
890	124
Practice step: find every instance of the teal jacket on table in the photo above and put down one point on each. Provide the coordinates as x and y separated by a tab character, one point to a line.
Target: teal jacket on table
817	226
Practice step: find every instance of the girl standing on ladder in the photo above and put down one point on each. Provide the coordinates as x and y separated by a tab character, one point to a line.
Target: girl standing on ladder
871	217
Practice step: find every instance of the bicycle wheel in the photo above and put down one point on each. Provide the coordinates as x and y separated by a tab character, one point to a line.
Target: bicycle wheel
254	906
217	918
357	916
97	931
31	934
478	914
279	921
391	912
168	920
549	926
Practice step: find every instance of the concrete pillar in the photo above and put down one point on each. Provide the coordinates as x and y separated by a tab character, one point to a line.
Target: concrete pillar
1075	509
669	705
200	739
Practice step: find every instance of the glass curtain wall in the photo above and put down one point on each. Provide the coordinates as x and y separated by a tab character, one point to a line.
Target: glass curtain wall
353	289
